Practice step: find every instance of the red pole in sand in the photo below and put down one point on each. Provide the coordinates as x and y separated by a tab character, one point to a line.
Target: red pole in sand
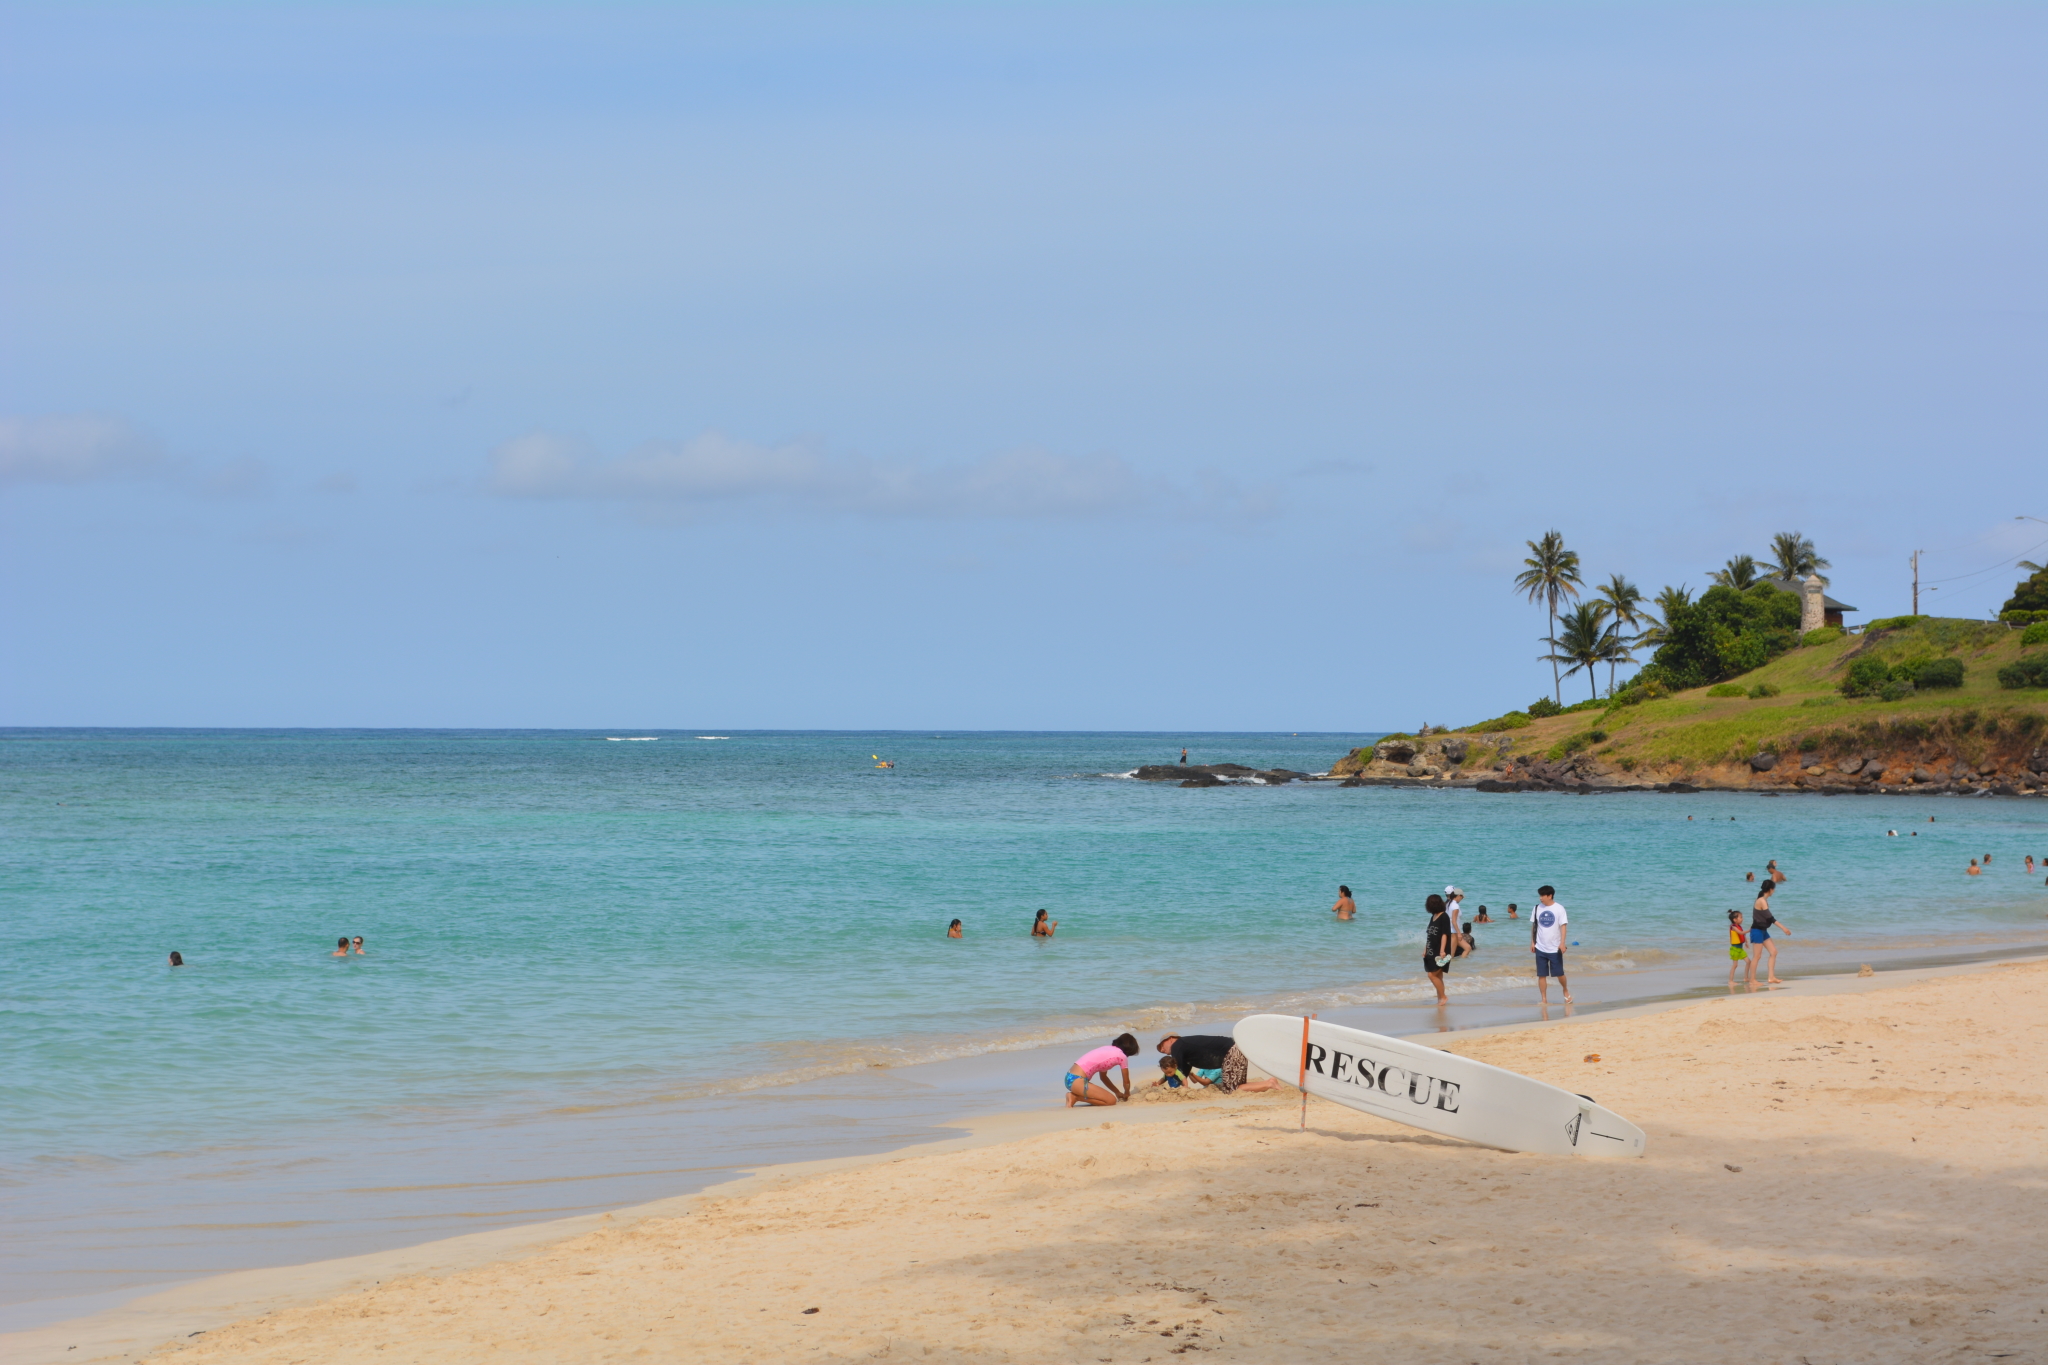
1301	1082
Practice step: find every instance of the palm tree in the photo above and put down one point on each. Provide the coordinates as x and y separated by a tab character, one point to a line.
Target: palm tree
1552	575
1740	573
1668	601
1583	643
1794	557
1616	649
1625	604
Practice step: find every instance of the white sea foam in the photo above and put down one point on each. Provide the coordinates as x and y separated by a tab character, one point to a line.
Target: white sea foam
632	739
714	736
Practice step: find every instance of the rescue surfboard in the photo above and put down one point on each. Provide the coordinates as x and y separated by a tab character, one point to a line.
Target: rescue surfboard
1436	1091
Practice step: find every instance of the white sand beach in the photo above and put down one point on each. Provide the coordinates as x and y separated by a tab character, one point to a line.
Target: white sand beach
1850	1170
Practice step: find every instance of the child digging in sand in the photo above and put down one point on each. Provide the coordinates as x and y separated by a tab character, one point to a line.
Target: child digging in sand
1096	1065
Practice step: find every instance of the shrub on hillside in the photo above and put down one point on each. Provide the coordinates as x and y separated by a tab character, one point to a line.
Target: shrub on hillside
1867	676
2023	618
1762	690
1821	635
1898	689
1725	690
1724	633
1544	706
2028	672
2036	634
1938	673
1513	720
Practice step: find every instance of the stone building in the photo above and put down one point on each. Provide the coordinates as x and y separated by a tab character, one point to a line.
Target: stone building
1817	609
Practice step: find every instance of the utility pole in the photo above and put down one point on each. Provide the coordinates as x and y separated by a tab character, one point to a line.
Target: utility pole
1916	582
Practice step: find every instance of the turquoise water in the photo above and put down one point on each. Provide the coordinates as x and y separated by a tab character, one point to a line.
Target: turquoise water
557	921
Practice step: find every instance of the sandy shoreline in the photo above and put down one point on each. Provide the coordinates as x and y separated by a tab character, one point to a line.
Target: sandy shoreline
1890	1131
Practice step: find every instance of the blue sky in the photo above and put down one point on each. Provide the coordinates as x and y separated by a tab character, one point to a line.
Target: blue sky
1053	366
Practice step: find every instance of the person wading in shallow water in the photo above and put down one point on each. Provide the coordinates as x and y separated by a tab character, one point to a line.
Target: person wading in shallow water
1546	941
1043	927
1761	922
1345	906
1436	948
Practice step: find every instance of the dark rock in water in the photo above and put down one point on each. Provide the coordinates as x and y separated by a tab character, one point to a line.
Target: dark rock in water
1763	763
1353	782
1682	788
1188	775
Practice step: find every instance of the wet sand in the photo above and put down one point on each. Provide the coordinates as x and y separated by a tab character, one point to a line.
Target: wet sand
1893	1176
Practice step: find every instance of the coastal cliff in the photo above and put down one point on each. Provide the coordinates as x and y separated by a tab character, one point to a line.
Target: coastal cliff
1792	725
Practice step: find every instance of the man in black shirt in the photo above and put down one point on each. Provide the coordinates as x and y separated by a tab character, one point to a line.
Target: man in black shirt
1436	951
1211	1059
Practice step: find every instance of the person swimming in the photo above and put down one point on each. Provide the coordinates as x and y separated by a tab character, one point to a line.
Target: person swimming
359	945
1043	927
177	959
341	946
1482	917
953	929
1345	906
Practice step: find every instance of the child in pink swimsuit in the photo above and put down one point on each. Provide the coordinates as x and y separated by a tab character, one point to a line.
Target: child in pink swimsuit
1096	1065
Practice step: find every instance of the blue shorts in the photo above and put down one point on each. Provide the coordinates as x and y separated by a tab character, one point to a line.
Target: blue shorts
1550	964
1212	1074
1759	936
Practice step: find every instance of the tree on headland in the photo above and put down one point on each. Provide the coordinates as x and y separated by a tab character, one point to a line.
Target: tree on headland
1552	575
1739	573
2029	595
1793	556
1624	602
1583	643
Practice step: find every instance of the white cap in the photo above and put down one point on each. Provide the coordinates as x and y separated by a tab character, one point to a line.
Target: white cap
1452	891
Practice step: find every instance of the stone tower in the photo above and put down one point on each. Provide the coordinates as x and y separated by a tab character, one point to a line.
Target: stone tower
1813	611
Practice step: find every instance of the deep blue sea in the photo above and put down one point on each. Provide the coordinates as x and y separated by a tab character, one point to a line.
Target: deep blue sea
587	922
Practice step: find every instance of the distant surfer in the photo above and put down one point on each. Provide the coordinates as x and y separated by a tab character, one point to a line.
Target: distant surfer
1436	950
1096	1065
953	929
1546	941
1043	927
1345	906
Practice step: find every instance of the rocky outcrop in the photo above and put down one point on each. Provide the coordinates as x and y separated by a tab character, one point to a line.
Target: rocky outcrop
1216	774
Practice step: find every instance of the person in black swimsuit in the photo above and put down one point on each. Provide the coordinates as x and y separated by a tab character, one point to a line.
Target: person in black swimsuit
1436	952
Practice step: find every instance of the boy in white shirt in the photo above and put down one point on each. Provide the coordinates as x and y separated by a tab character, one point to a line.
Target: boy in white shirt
1546	941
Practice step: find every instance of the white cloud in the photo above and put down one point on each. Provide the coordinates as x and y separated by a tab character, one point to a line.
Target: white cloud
713	471
73	449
